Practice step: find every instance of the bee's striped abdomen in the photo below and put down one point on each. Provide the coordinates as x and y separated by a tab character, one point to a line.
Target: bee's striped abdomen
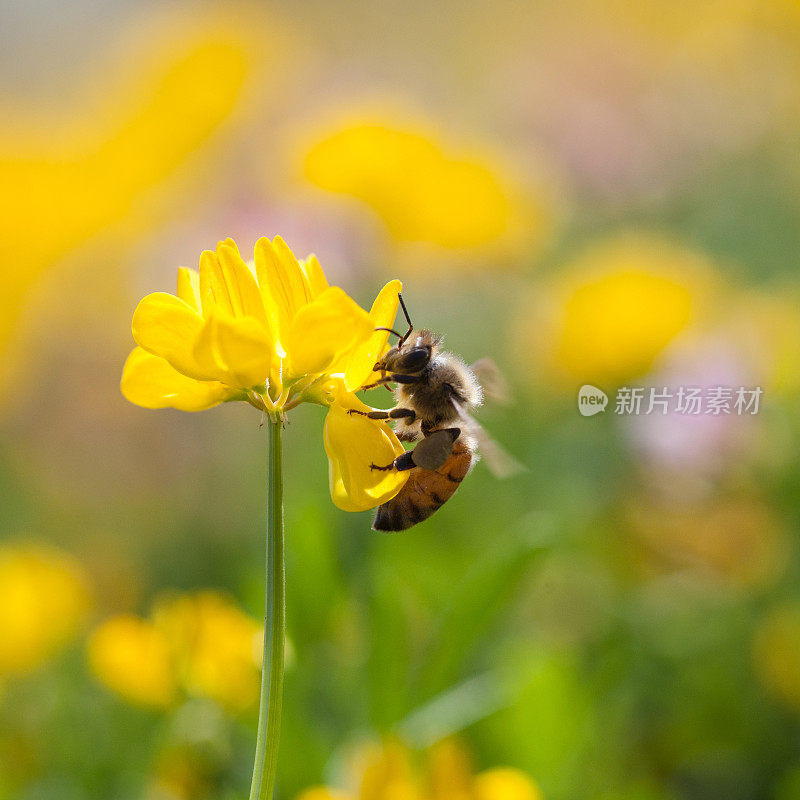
425	491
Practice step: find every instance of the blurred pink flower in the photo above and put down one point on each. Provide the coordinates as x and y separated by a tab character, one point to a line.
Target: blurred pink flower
690	450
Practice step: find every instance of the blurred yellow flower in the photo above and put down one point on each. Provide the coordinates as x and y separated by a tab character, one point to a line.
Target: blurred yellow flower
776	653
388	772
68	179
199	644
618	308
422	190
274	336
504	783
216	647
44	597
449	773
132	657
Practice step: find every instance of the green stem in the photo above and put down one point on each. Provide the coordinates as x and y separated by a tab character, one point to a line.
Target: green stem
269	711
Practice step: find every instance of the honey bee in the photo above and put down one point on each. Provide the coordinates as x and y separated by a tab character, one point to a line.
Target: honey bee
435	392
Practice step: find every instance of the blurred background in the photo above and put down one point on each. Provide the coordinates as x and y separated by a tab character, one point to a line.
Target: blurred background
590	191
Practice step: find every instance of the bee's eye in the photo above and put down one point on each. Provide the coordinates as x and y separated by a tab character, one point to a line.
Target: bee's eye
413	360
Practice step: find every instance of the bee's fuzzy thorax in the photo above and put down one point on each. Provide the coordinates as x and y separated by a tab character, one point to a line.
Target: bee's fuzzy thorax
446	384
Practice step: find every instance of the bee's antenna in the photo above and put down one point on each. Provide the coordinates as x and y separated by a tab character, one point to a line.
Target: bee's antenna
408	320
391	330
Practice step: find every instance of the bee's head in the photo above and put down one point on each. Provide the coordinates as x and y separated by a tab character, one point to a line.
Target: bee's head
413	351
412	354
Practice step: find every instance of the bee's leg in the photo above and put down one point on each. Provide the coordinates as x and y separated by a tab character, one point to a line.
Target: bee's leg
384	378
401	463
430	453
395	377
396	413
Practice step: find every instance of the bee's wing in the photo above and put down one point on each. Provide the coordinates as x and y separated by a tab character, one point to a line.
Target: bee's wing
500	461
491	379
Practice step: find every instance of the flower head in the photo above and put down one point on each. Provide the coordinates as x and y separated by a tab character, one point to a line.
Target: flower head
196	645
132	657
388	772
618	308
424	190
274	335
33	581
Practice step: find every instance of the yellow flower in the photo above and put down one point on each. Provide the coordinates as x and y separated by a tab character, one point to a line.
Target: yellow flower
505	783
618	309
132	656
275	335
215	647
70	177
449	772
421	189
388	773
44	597
199	645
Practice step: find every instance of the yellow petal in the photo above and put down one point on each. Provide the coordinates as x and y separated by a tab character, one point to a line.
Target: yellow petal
317	282
352	443
189	287
240	282
167	327
283	284
213	288
329	326
291	264
150	382
363	358
237	350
